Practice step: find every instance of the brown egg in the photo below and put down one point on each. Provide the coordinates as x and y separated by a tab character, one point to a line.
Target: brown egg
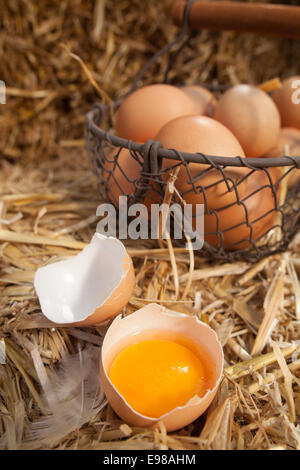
202	98
201	134
251	116
123	179
288	137
121	176
214	190
287	100
236	226
147	109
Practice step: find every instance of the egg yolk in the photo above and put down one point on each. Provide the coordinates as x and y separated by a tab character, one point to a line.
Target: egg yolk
156	376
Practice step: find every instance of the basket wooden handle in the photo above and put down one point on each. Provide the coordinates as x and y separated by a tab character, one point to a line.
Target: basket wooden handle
277	20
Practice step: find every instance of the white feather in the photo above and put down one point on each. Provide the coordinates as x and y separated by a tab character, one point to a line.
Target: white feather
73	396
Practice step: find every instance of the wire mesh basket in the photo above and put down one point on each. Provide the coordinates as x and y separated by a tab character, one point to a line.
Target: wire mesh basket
252	220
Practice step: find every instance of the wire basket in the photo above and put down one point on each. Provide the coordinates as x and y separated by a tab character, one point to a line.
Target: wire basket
247	225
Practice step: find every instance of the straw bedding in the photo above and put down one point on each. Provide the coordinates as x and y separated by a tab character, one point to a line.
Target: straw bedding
47	211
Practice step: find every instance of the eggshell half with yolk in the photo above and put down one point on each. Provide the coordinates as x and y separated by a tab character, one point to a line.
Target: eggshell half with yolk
155	322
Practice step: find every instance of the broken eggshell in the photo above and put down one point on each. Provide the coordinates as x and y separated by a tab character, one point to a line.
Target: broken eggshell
88	288
156	322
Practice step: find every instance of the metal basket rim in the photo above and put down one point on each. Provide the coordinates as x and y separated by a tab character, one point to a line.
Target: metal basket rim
99	110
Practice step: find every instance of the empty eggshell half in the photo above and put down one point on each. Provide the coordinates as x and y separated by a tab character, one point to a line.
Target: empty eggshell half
156	322
88	288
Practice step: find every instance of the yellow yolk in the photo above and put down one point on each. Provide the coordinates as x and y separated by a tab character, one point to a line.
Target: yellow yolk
156	376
